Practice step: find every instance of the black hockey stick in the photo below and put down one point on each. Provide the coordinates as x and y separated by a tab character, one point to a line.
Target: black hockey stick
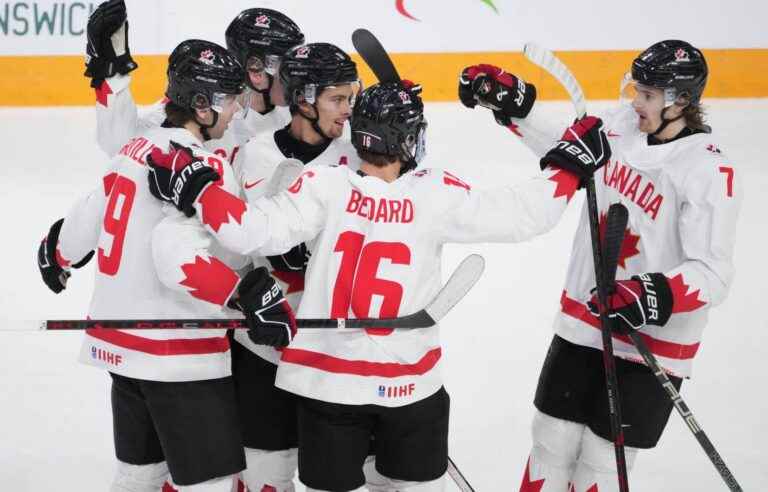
685	412
611	250
605	260
375	56
462	280
549	62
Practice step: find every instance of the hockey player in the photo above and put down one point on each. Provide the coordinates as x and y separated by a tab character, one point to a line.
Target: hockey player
676	262
377	237
320	82
258	37
173	398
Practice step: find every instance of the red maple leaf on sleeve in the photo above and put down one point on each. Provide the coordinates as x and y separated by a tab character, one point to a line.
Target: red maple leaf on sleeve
684	301
567	184
210	281
218	205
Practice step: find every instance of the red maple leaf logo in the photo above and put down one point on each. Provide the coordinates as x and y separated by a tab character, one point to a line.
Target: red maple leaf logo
628	246
218	205
102	91
684	302
210	281
567	184
294	281
528	485
593	488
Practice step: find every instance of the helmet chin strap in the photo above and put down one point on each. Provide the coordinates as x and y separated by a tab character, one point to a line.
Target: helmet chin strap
665	122
204	128
314	122
268	106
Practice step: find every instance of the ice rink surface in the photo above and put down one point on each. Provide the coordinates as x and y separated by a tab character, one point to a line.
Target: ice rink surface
55	419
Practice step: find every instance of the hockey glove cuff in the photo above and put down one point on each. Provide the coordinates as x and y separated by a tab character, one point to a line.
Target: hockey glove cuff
178	176
642	300
582	150
294	260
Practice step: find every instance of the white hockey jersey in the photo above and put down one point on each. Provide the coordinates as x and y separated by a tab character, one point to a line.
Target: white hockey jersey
118	120
683	199
118	221
377	253
254	168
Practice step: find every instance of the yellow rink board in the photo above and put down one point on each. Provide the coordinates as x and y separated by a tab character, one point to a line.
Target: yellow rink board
58	80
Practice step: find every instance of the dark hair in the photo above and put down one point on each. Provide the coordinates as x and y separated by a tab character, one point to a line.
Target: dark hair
378	160
178	116
694	115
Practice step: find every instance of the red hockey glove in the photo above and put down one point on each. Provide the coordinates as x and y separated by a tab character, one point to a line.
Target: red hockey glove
643	300
582	150
490	86
178	176
269	316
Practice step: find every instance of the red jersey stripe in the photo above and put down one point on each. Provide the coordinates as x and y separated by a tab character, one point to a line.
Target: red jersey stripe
329	363
663	348
177	346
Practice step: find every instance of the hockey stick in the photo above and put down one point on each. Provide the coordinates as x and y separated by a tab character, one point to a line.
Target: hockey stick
615	231
458	477
685	412
461	281
375	56
547	60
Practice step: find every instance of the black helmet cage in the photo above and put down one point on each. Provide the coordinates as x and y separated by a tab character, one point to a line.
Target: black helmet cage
388	119
262	33
674	66
198	71
307	69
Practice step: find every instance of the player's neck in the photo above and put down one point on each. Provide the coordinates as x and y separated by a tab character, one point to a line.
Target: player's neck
672	130
301	129
388	173
194	129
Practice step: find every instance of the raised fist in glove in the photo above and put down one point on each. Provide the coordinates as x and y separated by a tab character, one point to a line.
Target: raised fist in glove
582	150
269	317
107	52
502	92
55	274
642	300
178	176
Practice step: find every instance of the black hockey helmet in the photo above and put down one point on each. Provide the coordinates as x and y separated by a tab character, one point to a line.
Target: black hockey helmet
307	69
264	35
388	119
674	66
200	73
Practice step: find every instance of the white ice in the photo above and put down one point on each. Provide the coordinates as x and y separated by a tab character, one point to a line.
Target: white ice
55	419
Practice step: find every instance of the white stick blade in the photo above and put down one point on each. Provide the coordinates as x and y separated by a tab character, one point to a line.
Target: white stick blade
462	280
548	61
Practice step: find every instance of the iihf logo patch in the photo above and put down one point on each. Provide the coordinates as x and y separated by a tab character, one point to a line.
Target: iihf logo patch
382	391
262	21
302	52
681	55
207	57
404	97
